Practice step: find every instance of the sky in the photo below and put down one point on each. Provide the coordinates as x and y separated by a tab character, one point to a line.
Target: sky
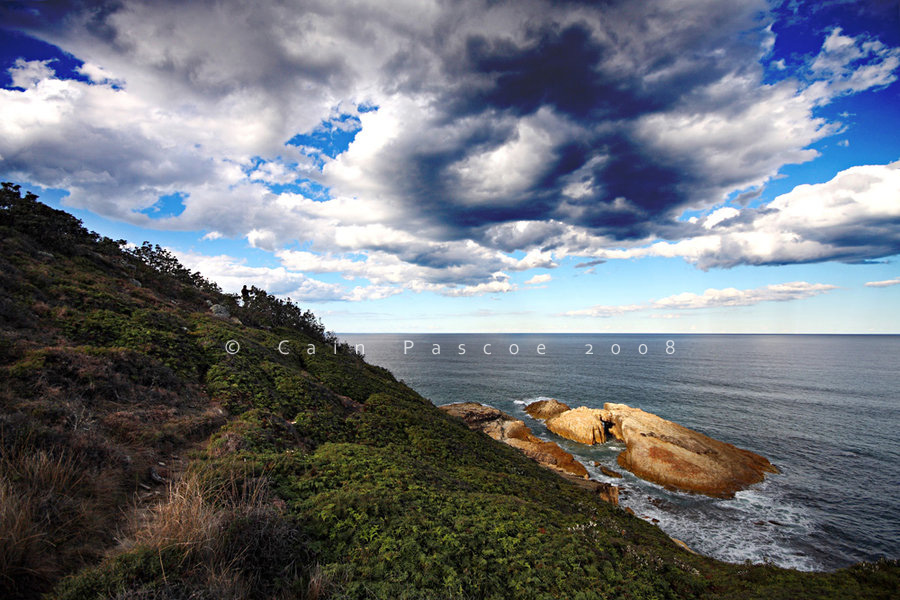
669	166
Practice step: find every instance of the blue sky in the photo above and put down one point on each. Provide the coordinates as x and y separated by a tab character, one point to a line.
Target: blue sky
501	166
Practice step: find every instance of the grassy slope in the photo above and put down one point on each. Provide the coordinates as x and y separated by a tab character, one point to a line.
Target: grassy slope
309	475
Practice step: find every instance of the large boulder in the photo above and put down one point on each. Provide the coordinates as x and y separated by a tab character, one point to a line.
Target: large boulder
220	311
662	451
582	424
677	457
545	409
509	430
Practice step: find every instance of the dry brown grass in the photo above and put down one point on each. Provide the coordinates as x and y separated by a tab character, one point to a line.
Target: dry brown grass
42	516
196	510
22	542
233	537
318	585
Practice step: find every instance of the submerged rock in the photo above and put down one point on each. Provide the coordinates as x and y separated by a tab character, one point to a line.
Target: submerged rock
665	452
609	472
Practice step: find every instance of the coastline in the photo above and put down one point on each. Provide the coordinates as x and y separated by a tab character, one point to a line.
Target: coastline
761	406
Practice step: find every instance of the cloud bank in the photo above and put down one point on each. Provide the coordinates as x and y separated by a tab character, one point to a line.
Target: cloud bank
713	298
442	146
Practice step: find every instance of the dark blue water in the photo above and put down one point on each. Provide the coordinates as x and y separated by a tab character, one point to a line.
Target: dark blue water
824	409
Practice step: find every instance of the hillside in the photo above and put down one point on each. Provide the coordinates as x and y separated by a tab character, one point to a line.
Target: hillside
140	460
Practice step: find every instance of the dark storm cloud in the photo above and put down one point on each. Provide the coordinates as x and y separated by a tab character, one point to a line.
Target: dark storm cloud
554	67
568	68
599	73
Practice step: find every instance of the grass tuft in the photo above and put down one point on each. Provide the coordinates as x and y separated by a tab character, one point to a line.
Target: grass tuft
228	537
41	517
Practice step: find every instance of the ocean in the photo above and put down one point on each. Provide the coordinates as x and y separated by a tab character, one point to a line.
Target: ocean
824	409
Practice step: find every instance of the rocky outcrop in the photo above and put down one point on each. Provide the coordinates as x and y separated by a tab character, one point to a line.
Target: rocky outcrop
665	452
220	311
512	431
546	409
509	430
582	424
675	456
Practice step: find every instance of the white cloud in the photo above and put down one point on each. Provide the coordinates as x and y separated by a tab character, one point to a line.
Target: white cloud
603	311
98	74
540	278
503	173
261	238
854	64
232	273
372	292
498	286
739	135
451	268
713	298
274	172
720	215
736	132
885	283
851	217
29	74
734	297
111	149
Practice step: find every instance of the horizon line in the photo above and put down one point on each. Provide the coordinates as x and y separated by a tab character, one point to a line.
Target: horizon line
870	333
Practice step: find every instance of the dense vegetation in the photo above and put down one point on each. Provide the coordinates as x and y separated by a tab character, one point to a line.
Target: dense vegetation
139	460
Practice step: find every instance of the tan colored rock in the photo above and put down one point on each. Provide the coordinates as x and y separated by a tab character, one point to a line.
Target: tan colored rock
582	424
662	451
545	409
677	457
682	545
512	431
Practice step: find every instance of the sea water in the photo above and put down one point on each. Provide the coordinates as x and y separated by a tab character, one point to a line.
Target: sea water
824	409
